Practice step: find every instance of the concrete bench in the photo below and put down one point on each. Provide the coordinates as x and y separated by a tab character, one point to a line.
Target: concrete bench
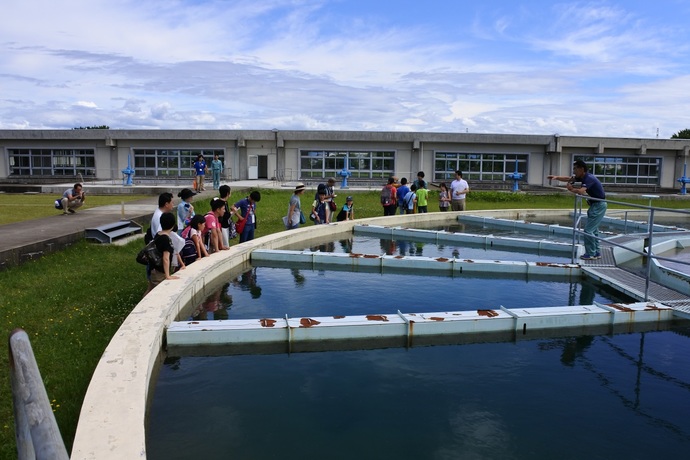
109	232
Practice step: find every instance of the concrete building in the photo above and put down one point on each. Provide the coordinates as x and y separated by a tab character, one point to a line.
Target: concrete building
44	156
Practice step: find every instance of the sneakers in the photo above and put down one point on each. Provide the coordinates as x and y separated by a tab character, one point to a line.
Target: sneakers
590	257
71	211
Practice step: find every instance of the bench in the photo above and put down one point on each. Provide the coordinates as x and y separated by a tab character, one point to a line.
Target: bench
109	232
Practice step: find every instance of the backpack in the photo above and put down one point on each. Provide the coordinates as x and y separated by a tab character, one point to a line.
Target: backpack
387	198
150	256
188	252
148	236
58	203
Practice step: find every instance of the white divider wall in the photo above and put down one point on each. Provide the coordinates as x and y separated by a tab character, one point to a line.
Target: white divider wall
113	415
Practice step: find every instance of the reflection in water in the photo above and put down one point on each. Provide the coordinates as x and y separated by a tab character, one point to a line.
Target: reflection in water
215	306
247	282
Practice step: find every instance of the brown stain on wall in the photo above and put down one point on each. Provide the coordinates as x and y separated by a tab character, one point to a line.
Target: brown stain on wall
488	313
265	322
308	322
377	318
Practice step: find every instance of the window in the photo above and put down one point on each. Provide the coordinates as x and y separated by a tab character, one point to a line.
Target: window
478	166
52	162
639	170
360	164
171	162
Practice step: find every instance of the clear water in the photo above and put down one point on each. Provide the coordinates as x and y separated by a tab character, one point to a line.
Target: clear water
404	247
592	397
264	292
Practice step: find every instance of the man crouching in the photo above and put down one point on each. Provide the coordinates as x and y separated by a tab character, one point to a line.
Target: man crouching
72	199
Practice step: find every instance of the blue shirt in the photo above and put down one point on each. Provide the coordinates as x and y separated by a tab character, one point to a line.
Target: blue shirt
594	187
200	168
402	191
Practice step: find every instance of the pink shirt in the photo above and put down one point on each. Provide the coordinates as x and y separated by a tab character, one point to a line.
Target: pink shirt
211	222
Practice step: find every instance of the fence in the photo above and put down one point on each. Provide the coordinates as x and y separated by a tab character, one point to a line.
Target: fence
649	240
36	431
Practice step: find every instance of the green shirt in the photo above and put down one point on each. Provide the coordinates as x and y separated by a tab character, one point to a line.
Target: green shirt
422	197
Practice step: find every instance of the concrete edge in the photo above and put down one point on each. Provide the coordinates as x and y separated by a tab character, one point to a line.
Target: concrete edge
112	422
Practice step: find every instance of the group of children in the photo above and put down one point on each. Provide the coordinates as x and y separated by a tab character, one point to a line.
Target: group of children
411	199
323	207
192	236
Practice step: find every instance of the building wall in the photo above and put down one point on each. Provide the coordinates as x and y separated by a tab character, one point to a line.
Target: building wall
548	154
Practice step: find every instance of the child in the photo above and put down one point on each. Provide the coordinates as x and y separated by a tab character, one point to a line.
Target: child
185	210
165	247
348	212
320	211
410	200
422	197
443	197
193	233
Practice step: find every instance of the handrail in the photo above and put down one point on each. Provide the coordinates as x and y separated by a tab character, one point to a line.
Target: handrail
577	217
36	430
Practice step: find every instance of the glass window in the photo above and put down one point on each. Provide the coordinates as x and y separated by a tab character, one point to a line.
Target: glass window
624	170
361	164
52	162
171	162
478	166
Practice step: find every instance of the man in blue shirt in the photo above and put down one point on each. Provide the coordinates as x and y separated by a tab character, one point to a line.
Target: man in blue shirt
584	183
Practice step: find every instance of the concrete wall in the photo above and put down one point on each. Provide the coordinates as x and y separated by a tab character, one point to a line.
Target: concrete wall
414	150
113	416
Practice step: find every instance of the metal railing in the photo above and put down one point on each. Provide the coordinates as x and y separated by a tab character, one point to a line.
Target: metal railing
648	254
36	430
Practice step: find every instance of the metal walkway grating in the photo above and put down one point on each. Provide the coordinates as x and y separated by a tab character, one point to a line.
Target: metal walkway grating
634	285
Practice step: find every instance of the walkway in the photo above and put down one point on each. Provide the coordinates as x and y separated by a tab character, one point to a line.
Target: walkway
24	241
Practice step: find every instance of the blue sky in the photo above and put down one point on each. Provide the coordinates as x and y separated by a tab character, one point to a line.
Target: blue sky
592	68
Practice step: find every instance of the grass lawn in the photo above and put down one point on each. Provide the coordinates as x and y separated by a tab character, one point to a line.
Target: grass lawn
70	324
19	207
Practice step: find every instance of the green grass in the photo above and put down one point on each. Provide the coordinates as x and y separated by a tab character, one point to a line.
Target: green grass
71	322
20	207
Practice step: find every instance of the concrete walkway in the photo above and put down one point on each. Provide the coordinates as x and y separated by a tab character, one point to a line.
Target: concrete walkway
28	240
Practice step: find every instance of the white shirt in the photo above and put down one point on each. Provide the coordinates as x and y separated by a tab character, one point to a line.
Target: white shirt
458	188
156	221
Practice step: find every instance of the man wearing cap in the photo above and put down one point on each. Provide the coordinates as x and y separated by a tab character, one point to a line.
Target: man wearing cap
294	213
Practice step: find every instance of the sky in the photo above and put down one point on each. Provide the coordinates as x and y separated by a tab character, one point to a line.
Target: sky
618	68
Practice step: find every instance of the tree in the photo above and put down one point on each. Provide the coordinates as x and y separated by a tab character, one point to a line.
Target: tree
682	134
99	127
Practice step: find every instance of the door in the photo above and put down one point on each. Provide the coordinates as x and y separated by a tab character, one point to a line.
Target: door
253	172
263	166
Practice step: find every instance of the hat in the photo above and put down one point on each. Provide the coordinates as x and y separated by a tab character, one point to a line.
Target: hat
349	198
299	187
186	193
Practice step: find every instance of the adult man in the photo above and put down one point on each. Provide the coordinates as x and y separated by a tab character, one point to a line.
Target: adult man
165	204
459	189
581	183
72	199
419	182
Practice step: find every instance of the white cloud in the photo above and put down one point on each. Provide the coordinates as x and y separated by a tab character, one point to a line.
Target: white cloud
573	68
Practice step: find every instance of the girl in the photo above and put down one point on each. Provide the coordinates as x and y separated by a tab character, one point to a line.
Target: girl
194	246
444	197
